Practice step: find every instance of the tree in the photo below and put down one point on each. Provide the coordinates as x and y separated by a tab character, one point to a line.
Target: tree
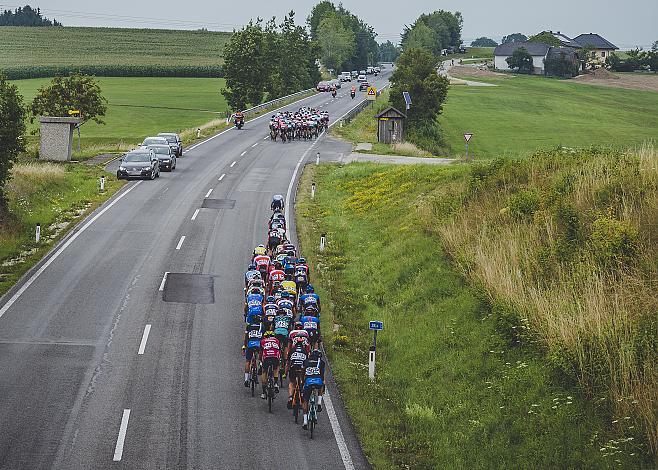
654	46
26	16
515	37
445	26
421	37
337	42
388	52
521	60
12	128
246	66
650	59
318	13
561	65
546	37
484	42
416	74
77	91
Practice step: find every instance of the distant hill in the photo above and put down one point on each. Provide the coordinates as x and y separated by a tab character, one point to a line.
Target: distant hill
41	52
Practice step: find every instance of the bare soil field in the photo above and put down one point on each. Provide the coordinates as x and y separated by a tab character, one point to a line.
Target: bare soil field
631	81
461	71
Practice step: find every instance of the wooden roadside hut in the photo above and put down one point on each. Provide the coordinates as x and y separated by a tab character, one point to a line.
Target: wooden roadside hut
390	126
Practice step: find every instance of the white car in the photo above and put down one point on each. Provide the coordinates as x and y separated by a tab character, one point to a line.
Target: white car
345	77
361	78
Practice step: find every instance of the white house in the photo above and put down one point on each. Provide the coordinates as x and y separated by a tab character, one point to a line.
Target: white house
537	50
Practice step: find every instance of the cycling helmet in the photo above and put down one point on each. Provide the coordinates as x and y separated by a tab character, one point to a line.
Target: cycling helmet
285	294
298	325
301	261
252	266
267	334
278	264
315	354
270	299
309	289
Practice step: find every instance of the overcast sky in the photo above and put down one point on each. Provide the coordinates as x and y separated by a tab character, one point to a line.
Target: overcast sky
626	24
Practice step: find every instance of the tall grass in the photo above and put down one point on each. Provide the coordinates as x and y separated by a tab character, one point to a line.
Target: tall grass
565	243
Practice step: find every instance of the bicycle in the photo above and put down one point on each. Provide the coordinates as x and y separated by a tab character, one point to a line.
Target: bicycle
253	374
270	387
297	398
312	410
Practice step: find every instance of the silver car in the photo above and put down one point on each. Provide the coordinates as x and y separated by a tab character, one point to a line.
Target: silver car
174	142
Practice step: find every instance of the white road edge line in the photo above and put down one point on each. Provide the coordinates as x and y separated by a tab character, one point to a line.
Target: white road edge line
331	413
118	450
266	137
164	281
196	212
255	145
180	242
222	177
209	192
243	153
55	255
145	337
233	164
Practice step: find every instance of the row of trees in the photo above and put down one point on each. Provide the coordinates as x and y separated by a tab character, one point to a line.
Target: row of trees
268	60
25	16
434	32
345	42
389	52
488	42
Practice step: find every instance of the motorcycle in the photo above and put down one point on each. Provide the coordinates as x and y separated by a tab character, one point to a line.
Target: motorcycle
333	93
239	122
352	94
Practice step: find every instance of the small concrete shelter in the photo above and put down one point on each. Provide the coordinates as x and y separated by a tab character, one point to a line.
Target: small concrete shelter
57	137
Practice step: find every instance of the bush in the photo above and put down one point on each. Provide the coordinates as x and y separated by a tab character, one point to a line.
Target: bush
46	71
524	204
427	136
613	241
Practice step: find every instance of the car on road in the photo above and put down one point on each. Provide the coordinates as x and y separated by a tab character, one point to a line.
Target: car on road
323	86
362	78
345	77
363	72
354	73
335	82
166	156
140	163
154	141
174	142
363	86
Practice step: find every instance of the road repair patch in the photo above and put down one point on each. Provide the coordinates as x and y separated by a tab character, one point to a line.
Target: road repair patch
189	288
218	203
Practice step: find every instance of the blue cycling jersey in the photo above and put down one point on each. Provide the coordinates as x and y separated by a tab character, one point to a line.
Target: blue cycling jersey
310	323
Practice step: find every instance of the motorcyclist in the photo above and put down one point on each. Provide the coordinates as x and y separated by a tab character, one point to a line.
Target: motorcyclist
353	91
238	118
333	91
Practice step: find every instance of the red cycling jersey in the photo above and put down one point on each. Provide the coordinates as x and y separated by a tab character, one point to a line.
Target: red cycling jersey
262	260
277	275
270	348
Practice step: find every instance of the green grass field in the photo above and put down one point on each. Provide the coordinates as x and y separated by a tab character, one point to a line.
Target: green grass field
525	113
452	389
137	106
24	46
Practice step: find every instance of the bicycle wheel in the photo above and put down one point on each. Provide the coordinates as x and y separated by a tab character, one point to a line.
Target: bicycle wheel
253	377
270	388
311	412
296	400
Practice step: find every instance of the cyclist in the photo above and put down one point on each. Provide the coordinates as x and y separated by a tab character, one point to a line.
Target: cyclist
282	324
278	203
314	378
262	263
251	273
285	301
252	336
259	250
297	355
310	298
255	312
273	239
301	278
311	325
277	274
270	352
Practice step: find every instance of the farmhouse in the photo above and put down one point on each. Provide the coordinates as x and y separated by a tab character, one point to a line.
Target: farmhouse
602	48
538	51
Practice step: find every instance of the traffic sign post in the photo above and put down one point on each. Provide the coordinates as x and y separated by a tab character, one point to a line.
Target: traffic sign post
467	138
76	112
372	93
375	326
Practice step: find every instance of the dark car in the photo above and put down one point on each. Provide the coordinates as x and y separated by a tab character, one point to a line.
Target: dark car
174	142
141	163
363	86
166	156
323	86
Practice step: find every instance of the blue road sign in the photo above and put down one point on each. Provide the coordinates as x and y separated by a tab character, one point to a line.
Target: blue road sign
407	98
376	325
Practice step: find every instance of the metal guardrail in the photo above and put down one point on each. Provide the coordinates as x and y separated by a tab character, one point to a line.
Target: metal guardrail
346	119
271	104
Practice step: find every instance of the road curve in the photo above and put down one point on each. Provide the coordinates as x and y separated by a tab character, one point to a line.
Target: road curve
123	351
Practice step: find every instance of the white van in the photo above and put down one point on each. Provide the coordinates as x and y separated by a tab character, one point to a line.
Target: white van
345	77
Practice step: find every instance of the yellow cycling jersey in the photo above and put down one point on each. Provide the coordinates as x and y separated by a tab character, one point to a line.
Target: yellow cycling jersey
260	250
289	286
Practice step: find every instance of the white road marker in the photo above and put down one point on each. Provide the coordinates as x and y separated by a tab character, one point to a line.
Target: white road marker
222	177
233	164
118	450
145	337
196	212
255	145
243	153
180	242
61	249
209	192
164	281
266	137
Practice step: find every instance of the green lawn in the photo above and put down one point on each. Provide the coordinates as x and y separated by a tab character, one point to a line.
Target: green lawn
25	46
136	106
452	390
525	113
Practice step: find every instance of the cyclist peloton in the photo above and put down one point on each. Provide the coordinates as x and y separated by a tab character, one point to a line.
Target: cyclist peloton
314	378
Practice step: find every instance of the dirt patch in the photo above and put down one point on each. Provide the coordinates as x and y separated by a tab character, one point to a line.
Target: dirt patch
630	81
460	71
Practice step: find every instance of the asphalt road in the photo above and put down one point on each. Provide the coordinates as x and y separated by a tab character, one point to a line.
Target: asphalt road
105	363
